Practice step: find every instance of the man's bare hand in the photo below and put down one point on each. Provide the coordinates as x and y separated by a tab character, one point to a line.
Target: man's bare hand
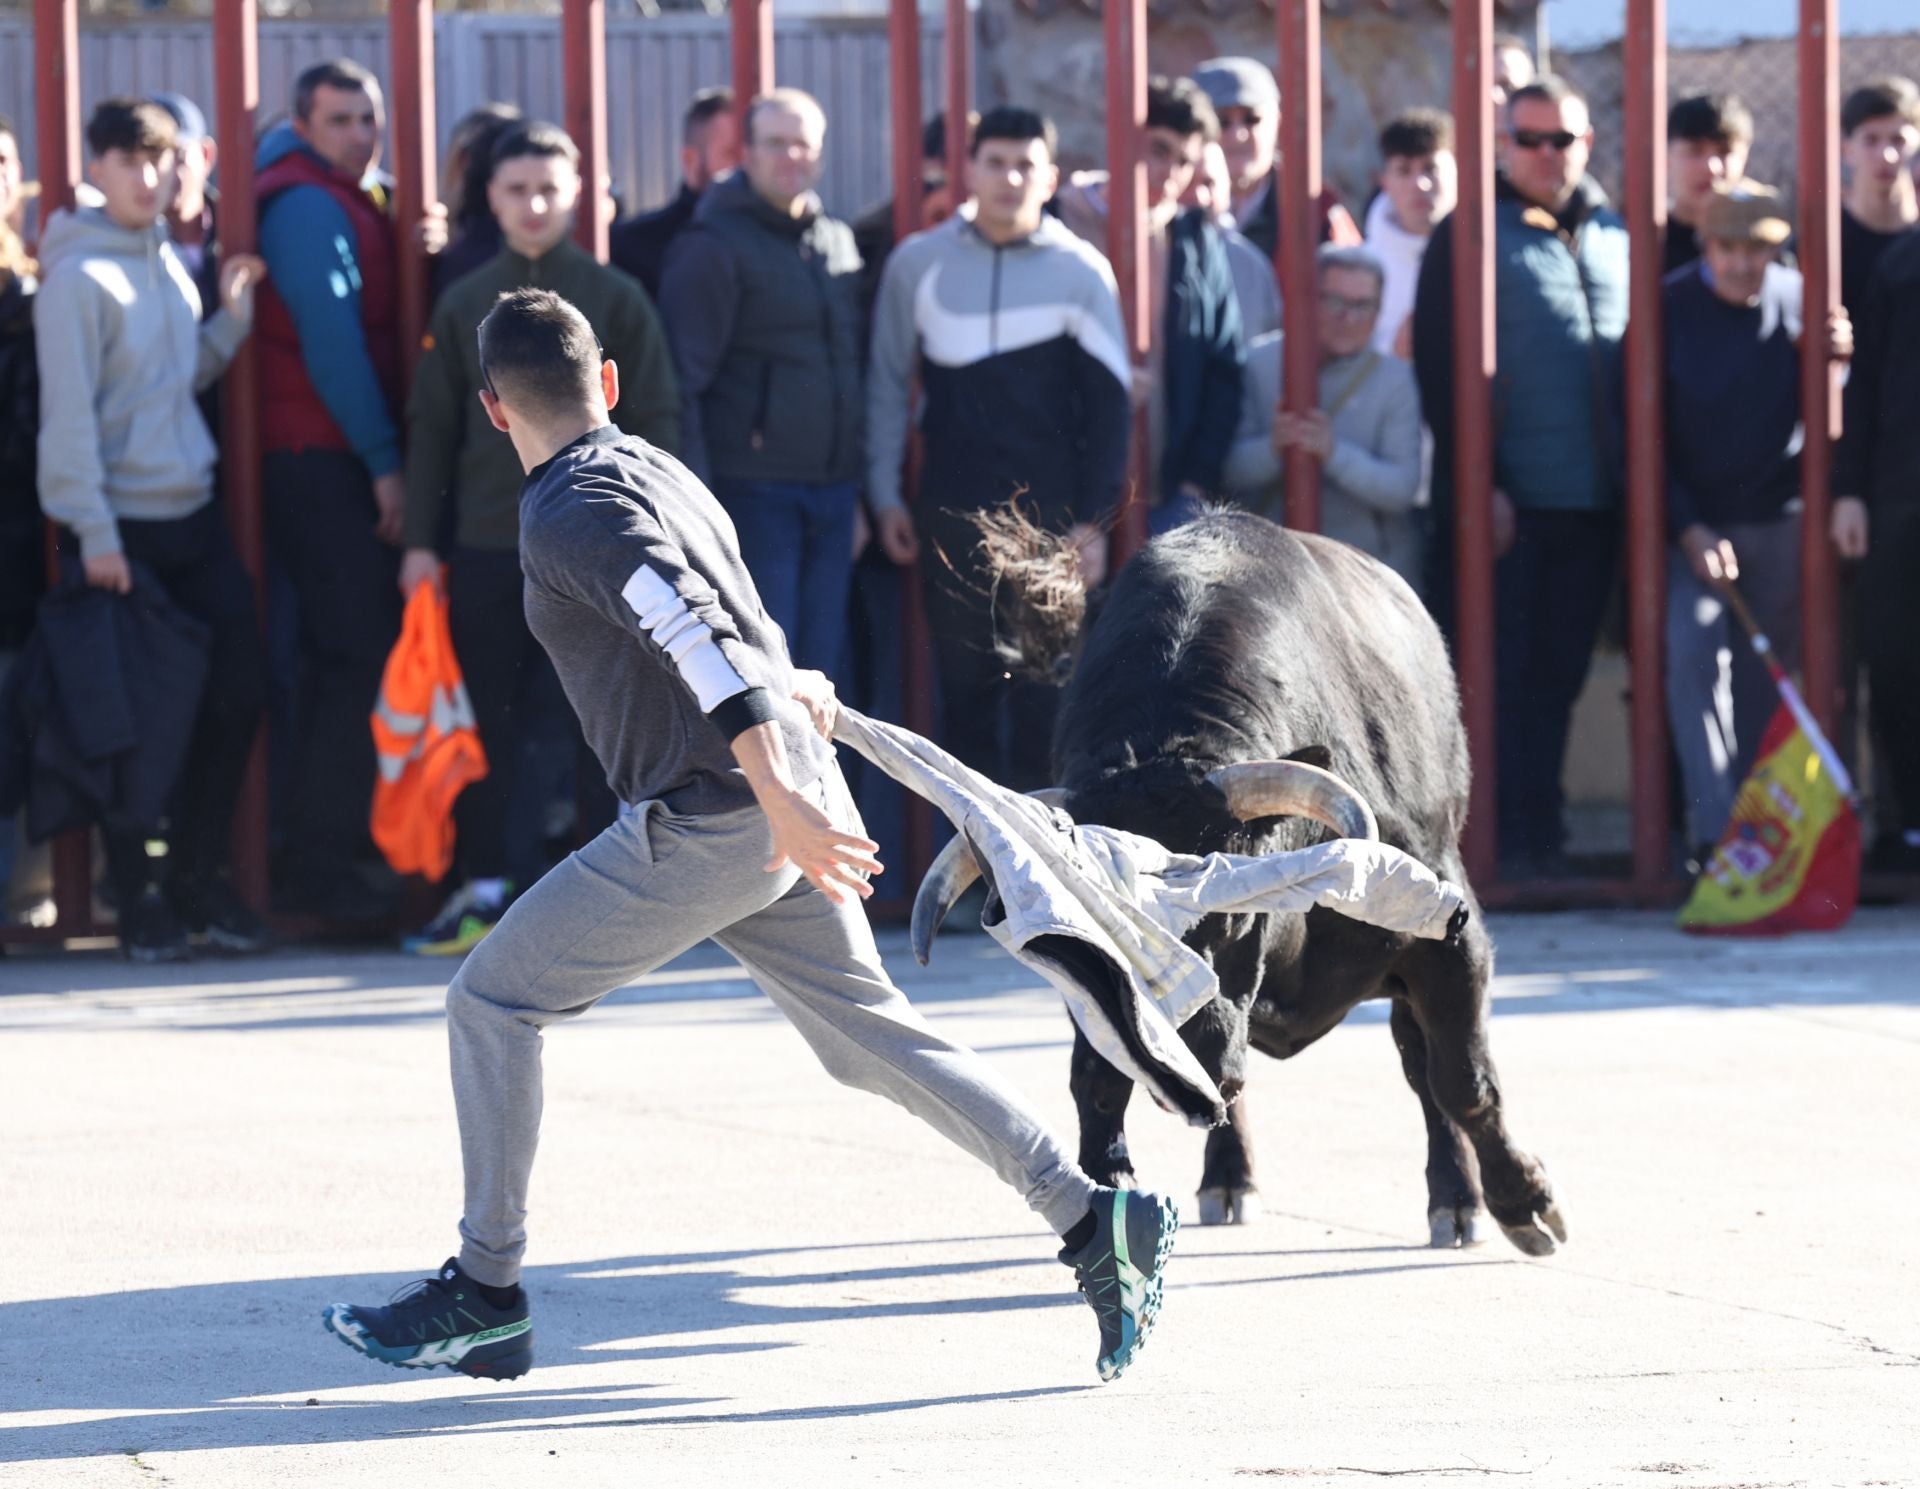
1710	556
834	861
1849	528
1091	543
432	230
1839	335
390	495
898	540
239	273
109	571
1312	432
815	690
417	567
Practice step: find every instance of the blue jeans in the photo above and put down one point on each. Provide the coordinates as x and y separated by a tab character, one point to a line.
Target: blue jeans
797	541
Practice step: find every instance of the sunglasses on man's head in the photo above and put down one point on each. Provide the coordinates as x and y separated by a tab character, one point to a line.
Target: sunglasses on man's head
1532	139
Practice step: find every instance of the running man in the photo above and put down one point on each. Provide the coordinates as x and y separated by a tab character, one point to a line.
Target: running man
739	827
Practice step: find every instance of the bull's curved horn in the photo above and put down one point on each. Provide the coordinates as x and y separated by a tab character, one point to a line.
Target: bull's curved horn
951	876
1292	788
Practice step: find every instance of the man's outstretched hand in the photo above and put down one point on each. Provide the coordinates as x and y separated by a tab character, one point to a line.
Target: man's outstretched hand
804	836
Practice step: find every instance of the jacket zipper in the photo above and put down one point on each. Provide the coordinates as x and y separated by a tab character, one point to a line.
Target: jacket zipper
993	305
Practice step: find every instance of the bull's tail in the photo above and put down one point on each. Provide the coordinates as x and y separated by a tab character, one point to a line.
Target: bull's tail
1039	598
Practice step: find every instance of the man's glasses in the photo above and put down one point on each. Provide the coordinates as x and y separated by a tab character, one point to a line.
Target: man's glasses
1338	306
1532	139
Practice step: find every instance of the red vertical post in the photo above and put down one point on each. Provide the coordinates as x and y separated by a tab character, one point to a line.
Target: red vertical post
415	158
752	54
958	94
1819	250
1473	365
1646	149
904	99
583	43
56	62
1126	40
236	87
1297	23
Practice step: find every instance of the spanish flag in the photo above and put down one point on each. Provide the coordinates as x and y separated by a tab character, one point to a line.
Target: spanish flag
1790	857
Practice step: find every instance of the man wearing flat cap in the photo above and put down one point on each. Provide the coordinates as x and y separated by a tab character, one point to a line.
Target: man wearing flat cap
1247	99
1734	433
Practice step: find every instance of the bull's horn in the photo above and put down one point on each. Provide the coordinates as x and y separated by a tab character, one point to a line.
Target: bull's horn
1292	788
951	876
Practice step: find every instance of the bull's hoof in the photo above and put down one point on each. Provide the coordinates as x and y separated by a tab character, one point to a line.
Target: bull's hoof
1450	1226
1532	1239
1227	1206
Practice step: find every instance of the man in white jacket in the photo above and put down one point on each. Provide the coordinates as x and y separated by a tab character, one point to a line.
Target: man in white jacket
126	471
1419	184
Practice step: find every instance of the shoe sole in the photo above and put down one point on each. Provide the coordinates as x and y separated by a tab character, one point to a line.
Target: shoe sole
510	1365
1167	1215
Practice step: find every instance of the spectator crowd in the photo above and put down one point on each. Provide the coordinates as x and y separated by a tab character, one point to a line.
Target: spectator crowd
801	366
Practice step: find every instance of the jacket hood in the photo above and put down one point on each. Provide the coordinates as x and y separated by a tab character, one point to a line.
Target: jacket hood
278	143
88	231
734	193
1589	197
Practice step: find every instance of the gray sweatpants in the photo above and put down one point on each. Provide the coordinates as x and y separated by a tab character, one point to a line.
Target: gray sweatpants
648	888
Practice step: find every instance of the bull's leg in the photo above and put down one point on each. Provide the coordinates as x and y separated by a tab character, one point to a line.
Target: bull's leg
1449	998
1100	1095
1453	1190
1217	1035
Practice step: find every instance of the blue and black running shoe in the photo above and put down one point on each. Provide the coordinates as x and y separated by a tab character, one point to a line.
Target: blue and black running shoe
1121	1268
440	1320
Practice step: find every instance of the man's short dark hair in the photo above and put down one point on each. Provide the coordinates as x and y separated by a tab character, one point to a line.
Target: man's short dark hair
538	353
536	138
1006	122
708	104
1548	88
336	72
1881	99
1717	118
1179	104
129	124
1417	133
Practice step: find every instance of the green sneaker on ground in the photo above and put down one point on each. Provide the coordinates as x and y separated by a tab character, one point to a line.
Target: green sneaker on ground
439	1320
461	925
1121	1270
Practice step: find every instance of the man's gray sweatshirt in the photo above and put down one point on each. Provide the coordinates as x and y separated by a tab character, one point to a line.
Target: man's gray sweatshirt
122	353
636	588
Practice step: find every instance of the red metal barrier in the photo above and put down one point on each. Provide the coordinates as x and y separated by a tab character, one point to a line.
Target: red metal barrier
957	96
1646	162
752	54
1473	419
1126	38
411	127
1299	183
1819	250
583	43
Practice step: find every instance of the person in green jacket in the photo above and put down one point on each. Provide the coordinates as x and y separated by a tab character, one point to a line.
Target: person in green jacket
454	455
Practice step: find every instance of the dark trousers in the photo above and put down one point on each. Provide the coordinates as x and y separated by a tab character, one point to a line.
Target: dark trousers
1001	726
194	562
1550	595
797	543
320	524
517	704
1890	615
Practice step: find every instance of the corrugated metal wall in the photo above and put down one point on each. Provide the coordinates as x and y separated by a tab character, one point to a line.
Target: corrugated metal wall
653	70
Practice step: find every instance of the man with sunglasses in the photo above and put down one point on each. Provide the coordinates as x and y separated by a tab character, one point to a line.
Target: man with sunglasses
455	457
1560	267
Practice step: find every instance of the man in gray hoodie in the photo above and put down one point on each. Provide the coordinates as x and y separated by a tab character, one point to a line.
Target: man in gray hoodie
126	470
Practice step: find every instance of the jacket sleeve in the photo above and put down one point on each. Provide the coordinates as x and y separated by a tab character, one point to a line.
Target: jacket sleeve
437	411
306	240
1104	377
699	293
220	336
629	570
649	403
68	345
1253	465
1386	477
1226	356
890	369
1853	457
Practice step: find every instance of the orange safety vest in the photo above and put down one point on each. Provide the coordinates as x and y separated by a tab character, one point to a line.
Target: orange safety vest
428	746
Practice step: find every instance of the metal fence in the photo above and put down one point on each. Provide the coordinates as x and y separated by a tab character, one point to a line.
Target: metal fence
654	67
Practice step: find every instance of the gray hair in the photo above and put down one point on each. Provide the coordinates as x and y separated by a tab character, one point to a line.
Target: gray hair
1351	256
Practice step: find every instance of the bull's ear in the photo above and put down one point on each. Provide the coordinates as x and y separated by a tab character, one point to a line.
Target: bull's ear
1316	755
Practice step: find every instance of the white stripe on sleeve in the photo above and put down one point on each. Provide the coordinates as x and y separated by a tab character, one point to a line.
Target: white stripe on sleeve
664	616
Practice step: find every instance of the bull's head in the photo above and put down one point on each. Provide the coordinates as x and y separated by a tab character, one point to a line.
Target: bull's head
1252	791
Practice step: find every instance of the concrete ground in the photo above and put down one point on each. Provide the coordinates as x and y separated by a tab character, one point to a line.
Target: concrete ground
746	1274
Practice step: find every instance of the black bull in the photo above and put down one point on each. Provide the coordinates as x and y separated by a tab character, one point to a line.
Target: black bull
1229	640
